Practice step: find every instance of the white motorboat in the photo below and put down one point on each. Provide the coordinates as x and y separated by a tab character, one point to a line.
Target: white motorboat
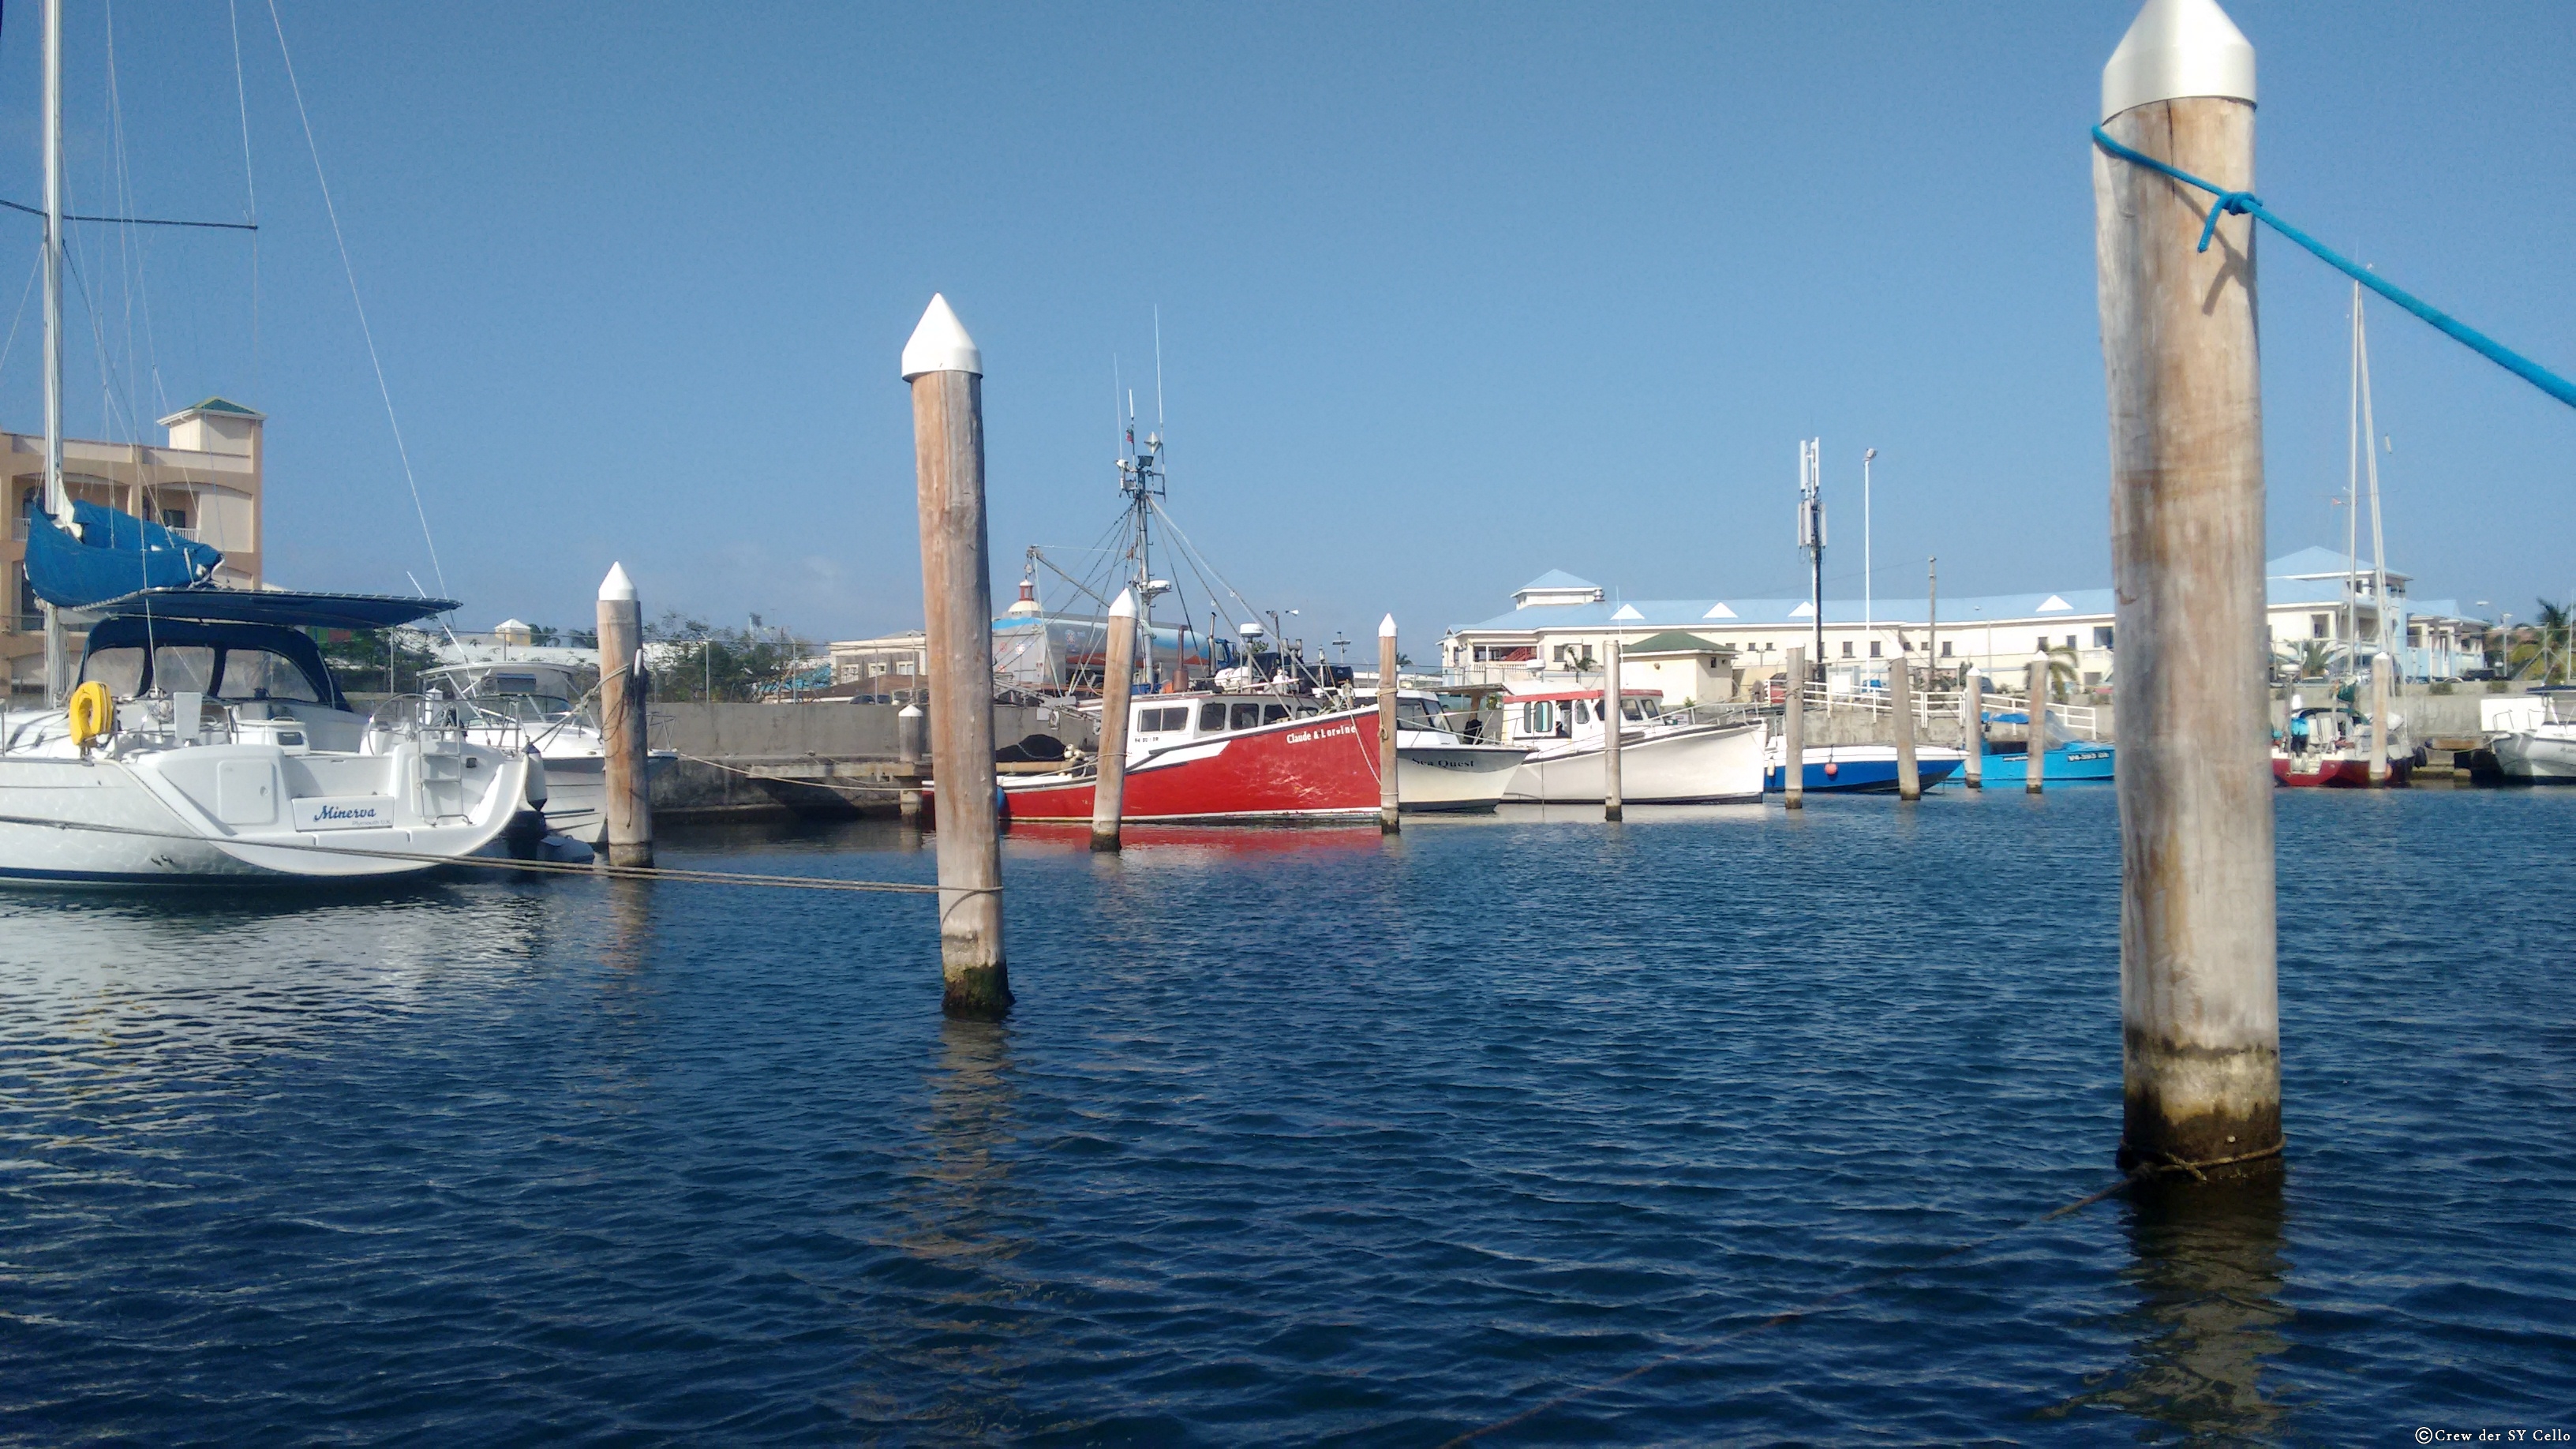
1663	760
542	704
1441	766
206	742
2535	746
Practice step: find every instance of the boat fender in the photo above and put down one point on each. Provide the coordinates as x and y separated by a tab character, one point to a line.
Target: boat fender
1832	769
92	715
536	779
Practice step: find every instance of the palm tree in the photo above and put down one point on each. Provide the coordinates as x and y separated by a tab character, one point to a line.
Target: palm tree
2063	670
2308	659
2541	645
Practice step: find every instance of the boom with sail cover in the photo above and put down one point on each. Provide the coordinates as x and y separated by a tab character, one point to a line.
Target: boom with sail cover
107	554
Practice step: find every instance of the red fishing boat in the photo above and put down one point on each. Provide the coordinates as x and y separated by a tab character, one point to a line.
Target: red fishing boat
1213	756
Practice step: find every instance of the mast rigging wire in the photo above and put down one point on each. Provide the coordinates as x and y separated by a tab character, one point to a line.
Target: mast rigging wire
332	210
137	220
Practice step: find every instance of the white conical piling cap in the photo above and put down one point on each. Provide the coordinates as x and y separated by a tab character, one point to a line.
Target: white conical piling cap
2178	48
1124	606
909	711
1386	627
617	586
940	344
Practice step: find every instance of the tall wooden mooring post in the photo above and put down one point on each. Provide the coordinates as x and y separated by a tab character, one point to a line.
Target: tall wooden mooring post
946	372
1390	800
1117	681
629	806
1612	807
2199	1007
1793	733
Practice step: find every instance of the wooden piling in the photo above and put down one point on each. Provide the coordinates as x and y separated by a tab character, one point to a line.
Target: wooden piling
908	725
2035	764
2199	1005
629	806
1972	726
1793	733
1117	679
1610	735
946	372
1900	702
2383	672
1389	804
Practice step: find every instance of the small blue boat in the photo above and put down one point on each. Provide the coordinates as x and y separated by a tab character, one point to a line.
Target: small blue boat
2077	762
1859	769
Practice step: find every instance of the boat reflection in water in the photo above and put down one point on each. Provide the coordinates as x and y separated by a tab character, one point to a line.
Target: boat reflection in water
2208	1273
1202	842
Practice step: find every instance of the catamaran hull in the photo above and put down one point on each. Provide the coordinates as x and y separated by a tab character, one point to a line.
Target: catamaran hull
1319	768
105	822
1716	765
2538	758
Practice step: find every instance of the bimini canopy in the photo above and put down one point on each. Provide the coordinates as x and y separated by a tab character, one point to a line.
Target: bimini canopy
114	553
151	638
275	606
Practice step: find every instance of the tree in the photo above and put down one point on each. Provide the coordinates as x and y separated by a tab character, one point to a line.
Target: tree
2308	659
723	664
2064	669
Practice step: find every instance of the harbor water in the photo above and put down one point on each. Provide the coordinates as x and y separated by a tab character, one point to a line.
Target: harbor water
1293	1137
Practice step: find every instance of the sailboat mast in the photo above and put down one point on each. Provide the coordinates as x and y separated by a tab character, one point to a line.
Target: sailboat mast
2370	446
57	670
2352	503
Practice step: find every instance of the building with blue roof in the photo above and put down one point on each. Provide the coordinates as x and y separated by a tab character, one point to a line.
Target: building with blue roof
1560	624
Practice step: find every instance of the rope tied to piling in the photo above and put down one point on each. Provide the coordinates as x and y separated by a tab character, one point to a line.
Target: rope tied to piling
2246	203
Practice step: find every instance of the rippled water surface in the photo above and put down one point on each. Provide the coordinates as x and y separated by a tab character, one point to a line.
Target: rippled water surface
1294	1137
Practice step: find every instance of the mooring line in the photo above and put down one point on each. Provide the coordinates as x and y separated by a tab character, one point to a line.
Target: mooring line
600	871
1819	1305
2244	203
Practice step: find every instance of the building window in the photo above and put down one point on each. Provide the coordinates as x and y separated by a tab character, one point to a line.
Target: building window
2070	641
2101	636
2321	626
174	518
2092	677
1847	649
1945	648
2039	645
1873	650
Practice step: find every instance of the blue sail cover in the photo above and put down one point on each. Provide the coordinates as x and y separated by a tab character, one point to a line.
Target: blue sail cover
115	555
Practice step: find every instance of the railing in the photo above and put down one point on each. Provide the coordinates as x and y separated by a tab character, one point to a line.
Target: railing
2079	720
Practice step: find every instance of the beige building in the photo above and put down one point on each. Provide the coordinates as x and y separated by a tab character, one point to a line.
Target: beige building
205	483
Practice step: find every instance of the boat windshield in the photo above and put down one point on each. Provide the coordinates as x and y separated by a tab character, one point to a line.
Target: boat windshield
1417	714
246	673
526	708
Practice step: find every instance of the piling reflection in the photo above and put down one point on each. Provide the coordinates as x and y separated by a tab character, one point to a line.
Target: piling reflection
967	1221
2208	1272
628	947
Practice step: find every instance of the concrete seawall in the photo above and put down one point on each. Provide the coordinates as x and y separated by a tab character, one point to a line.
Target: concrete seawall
782	759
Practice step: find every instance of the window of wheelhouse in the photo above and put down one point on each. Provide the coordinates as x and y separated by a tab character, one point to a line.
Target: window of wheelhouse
1247	715
1211	717
1538	717
1635	707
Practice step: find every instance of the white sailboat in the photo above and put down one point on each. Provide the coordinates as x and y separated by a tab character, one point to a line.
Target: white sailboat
204	739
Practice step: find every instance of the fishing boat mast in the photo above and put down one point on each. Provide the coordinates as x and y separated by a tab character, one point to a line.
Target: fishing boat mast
1141	482
57	503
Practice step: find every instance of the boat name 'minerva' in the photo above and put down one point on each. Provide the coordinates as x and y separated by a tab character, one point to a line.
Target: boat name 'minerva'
1300	737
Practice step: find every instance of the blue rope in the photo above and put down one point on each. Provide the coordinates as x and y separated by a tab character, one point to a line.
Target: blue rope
2243	203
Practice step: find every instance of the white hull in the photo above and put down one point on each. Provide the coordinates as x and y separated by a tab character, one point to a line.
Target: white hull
230	813
1706	764
1457	777
2546	752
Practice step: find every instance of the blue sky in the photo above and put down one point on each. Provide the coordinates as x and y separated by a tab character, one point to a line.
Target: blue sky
1449	295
